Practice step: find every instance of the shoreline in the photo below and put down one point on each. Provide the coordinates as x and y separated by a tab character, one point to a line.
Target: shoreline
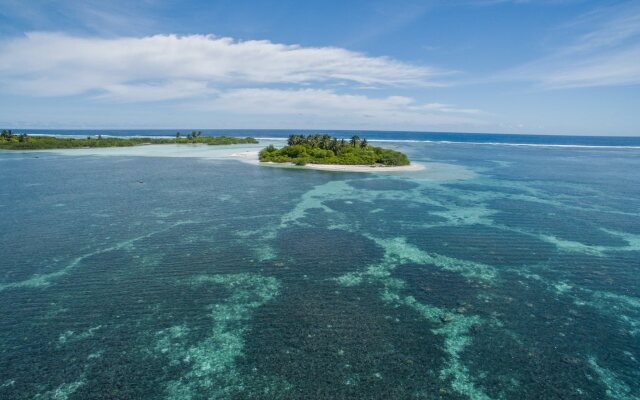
220	152
429	141
356	168
252	157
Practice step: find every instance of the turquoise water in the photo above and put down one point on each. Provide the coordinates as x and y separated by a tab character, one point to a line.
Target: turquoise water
498	272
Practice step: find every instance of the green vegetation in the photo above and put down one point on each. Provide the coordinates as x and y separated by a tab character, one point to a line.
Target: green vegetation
324	149
11	141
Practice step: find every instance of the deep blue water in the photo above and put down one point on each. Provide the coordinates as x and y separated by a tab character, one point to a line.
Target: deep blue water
499	272
373	135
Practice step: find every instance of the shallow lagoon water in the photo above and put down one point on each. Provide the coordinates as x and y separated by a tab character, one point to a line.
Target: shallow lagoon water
183	273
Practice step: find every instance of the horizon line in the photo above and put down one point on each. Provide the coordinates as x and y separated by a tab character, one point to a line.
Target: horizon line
331	130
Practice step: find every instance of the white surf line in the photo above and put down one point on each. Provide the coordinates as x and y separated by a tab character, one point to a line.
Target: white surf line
587	146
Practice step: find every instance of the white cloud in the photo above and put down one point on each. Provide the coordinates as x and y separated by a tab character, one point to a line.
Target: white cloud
53	64
336	109
235	82
448	108
612	69
171	90
605	52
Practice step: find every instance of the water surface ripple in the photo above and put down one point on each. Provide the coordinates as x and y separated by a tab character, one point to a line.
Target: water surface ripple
498	273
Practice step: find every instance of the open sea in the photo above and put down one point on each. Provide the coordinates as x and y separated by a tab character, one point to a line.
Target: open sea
437	137
508	269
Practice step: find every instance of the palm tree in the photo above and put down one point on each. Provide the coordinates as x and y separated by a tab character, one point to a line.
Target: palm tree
325	142
334	145
314	140
7	134
177	135
295	139
364	144
355	140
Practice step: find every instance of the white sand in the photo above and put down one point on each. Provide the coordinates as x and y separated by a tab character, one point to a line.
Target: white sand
365	168
244	153
252	156
248	153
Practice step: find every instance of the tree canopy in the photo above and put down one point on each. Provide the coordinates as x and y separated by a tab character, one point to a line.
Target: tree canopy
324	149
11	141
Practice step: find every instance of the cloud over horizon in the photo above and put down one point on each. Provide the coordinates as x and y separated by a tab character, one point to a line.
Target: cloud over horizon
56	64
327	105
219	73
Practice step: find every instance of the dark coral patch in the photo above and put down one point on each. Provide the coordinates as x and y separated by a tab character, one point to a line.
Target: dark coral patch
483	244
382	184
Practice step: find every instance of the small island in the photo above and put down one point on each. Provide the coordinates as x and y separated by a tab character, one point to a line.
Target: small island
326	150
12	141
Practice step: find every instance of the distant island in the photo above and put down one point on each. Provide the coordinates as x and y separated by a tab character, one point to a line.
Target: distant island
12	141
327	150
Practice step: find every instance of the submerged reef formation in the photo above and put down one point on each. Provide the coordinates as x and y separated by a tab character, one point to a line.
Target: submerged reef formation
493	284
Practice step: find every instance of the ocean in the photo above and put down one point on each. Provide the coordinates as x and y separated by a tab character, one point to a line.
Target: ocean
437	137
509	268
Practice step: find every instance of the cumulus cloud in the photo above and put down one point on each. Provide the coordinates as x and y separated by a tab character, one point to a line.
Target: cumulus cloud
170	90
259	81
53	64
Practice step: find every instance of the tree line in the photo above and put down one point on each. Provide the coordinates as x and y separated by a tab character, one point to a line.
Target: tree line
12	141
324	149
191	136
326	142
8	135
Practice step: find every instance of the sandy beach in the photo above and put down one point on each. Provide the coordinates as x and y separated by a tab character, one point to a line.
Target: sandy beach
362	168
252	157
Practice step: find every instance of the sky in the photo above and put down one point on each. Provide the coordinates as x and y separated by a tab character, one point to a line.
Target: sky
503	66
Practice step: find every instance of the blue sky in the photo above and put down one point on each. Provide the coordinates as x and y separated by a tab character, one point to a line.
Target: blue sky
553	67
